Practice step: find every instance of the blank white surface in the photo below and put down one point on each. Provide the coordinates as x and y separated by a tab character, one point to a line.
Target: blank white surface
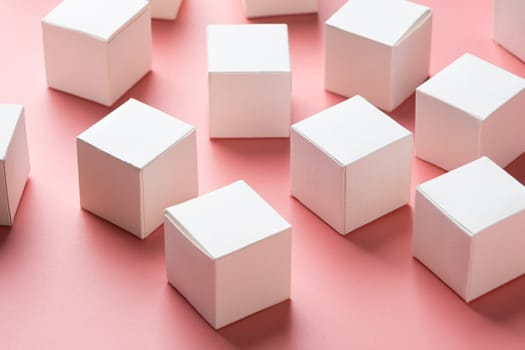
476	195
351	130
135	133
228	219
97	18
248	48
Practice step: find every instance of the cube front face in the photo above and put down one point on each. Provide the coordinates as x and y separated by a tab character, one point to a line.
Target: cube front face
502	133
250	105
497	255
165	9
508	20
190	271
110	188
261	8
249	79
129	55
317	181
357	66
378	184
441	245
383	58
96	68
445	136
76	64
171	178
468	228
14	161
228	253
249	281
410	63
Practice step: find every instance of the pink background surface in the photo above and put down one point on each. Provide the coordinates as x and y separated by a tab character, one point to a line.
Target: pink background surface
71	280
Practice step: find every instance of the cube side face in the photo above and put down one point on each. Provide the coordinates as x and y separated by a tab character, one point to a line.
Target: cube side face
169	179
5	213
317	181
357	66
76	63
253	278
129	55
249	104
110	188
445	136
508	21
378	184
410	63
190	271
502	133
497	255
16	166
165	9
261	8
441	245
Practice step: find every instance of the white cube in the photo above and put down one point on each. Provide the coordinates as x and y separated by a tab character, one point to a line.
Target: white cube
133	164
228	253
379	49
262	8
14	160
509	26
249	80
165	9
97	49
351	164
469	228
470	109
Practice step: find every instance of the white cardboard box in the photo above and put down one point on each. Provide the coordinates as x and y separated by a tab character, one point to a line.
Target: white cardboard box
97	49
134	163
262	8
509	26
249	80
470	109
228	253
351	164
379	49
165	9
469	228
14	160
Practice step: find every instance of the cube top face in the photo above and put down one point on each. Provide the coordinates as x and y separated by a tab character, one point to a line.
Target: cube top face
351	130
227	220
385	21
136	133
101	19
474	86
248	48
9	115
476	195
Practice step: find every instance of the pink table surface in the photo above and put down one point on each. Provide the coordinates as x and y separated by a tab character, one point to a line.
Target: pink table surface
71	280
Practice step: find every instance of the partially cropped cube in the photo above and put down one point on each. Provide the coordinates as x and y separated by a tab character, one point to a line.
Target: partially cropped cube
263	8
351	164
469	228
165	9
379	49
509	26
249	81
133	164
470	109
228	253
14	161
97	49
